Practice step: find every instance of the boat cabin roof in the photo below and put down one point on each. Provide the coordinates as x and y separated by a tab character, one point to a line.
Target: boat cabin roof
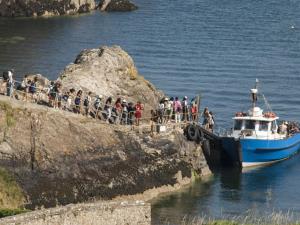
256	118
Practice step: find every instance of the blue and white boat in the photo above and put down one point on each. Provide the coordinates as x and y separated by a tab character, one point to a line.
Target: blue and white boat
255	138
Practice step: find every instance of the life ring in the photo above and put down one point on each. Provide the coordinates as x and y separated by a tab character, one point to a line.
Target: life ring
269	115
239	114
192	133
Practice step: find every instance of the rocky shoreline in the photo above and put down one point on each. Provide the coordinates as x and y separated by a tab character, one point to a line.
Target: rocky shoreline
58	157
44	8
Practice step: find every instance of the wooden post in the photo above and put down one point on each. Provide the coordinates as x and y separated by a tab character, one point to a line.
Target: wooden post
198	106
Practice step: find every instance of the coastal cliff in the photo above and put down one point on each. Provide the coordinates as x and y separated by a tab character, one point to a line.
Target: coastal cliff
29	8
58	157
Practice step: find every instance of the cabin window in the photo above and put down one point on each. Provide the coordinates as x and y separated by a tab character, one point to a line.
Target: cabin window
263	125
250	124
238	124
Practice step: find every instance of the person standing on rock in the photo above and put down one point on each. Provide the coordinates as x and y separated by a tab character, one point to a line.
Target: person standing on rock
118	110
25	87
32	88
51	94
211	121
178	110
77	102
98	105
86	103
168	109
108	109
58	99
124	117
138	112
10	83
206	118
130	113
194	111
153	120
185	110
65	99
161	111
71	100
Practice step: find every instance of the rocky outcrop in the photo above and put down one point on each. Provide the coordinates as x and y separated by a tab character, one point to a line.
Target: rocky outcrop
28	8
116	5
110	71
58	157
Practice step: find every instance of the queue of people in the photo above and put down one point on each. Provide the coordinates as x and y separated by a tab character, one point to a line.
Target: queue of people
119	111
174	109
288	128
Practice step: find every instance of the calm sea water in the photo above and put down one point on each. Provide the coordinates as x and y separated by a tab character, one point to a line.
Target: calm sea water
229	194
216	48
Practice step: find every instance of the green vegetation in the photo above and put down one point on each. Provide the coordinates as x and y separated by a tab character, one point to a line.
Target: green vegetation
8	120
133	74
11	196
9	114
11	212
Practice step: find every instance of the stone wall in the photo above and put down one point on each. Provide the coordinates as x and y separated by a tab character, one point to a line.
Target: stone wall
102	213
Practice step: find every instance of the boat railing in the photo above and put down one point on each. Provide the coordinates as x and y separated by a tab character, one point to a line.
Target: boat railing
222	132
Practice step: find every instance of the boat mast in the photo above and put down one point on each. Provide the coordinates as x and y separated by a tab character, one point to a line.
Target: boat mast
254	94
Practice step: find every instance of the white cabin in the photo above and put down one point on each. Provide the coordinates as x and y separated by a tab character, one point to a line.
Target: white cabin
256	125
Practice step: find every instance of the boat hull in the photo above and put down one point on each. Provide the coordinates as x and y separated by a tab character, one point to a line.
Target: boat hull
255	152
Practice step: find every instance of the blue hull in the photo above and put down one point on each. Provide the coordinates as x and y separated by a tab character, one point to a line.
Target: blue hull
252	152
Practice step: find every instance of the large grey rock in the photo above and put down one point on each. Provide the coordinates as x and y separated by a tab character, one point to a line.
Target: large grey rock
23	8
117	5
110	71
60	158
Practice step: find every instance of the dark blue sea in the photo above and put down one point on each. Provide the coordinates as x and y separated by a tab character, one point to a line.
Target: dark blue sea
212	47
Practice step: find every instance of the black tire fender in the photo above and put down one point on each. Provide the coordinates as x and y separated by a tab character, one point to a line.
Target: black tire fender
192	133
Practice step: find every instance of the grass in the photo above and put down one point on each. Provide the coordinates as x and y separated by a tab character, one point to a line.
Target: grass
11	212
8	120
11	195
9	114
133	74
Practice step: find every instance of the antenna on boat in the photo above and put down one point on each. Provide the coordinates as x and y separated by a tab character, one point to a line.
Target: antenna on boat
254	93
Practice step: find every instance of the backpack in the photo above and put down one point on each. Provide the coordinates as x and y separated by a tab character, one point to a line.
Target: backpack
5	75
77	101
86	102
32	88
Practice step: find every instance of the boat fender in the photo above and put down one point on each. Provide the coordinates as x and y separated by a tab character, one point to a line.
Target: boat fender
192	133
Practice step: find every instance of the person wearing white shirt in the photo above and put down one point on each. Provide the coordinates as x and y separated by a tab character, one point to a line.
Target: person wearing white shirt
10	83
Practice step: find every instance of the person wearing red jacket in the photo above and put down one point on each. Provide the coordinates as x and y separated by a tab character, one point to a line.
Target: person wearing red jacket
138	112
